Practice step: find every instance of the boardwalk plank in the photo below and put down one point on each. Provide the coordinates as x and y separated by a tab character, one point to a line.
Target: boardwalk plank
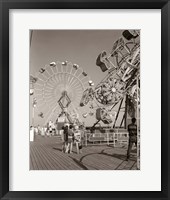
34	158
129	165
134	167
43	160
56	162
40	163
45	154
122	165
46	157
62	159
33	163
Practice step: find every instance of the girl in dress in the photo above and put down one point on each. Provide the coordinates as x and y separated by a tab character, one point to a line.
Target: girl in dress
70	140
77	139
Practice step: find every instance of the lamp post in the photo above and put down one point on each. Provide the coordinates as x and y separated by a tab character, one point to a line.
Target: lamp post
33	80
34	102
33	110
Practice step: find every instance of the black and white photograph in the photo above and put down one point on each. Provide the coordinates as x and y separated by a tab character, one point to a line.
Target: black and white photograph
84	99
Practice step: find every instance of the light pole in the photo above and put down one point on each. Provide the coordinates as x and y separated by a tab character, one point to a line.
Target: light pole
33	80
33	110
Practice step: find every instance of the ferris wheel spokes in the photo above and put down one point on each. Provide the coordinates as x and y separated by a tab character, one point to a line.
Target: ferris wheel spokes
76	79
47	70
51	110
76	85
49	88
49	79
72	76
77	71
39	102
56	78
39	83
86	81
49	85
37	89
62	64
55	68
62	68
47	92
53	103
52	68
42	77
48	96
50	104
52	82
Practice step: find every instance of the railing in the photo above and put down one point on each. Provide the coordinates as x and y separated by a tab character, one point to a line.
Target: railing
116	137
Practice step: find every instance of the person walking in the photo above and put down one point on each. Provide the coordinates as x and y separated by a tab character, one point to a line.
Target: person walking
65	138
70	139
132	129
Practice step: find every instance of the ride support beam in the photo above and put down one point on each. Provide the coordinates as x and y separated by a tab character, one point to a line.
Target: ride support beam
126	101
123	119
118	112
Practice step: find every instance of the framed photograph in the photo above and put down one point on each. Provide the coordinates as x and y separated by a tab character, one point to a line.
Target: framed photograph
84	99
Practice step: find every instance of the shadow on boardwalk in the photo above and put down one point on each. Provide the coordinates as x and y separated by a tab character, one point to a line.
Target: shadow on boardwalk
46	154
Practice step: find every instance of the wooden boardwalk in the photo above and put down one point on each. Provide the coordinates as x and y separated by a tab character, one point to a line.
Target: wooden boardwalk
46	154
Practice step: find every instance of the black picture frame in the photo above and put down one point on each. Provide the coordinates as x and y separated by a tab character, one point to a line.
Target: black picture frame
5	6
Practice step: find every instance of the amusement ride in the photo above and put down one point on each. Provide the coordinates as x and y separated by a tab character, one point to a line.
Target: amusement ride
64	90
122	82
58	87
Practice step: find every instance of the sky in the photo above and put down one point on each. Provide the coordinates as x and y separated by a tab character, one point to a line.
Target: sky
76	46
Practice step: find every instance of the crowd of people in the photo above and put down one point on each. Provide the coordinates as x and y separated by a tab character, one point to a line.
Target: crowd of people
48	130
72	135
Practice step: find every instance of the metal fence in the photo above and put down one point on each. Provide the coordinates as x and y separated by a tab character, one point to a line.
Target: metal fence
116	137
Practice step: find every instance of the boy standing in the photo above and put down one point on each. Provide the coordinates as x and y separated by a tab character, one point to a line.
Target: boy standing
70	139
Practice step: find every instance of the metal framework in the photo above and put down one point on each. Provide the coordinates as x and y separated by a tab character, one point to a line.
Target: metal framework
54	80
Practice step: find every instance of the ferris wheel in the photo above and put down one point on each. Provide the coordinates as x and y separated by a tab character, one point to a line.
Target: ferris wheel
51	82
